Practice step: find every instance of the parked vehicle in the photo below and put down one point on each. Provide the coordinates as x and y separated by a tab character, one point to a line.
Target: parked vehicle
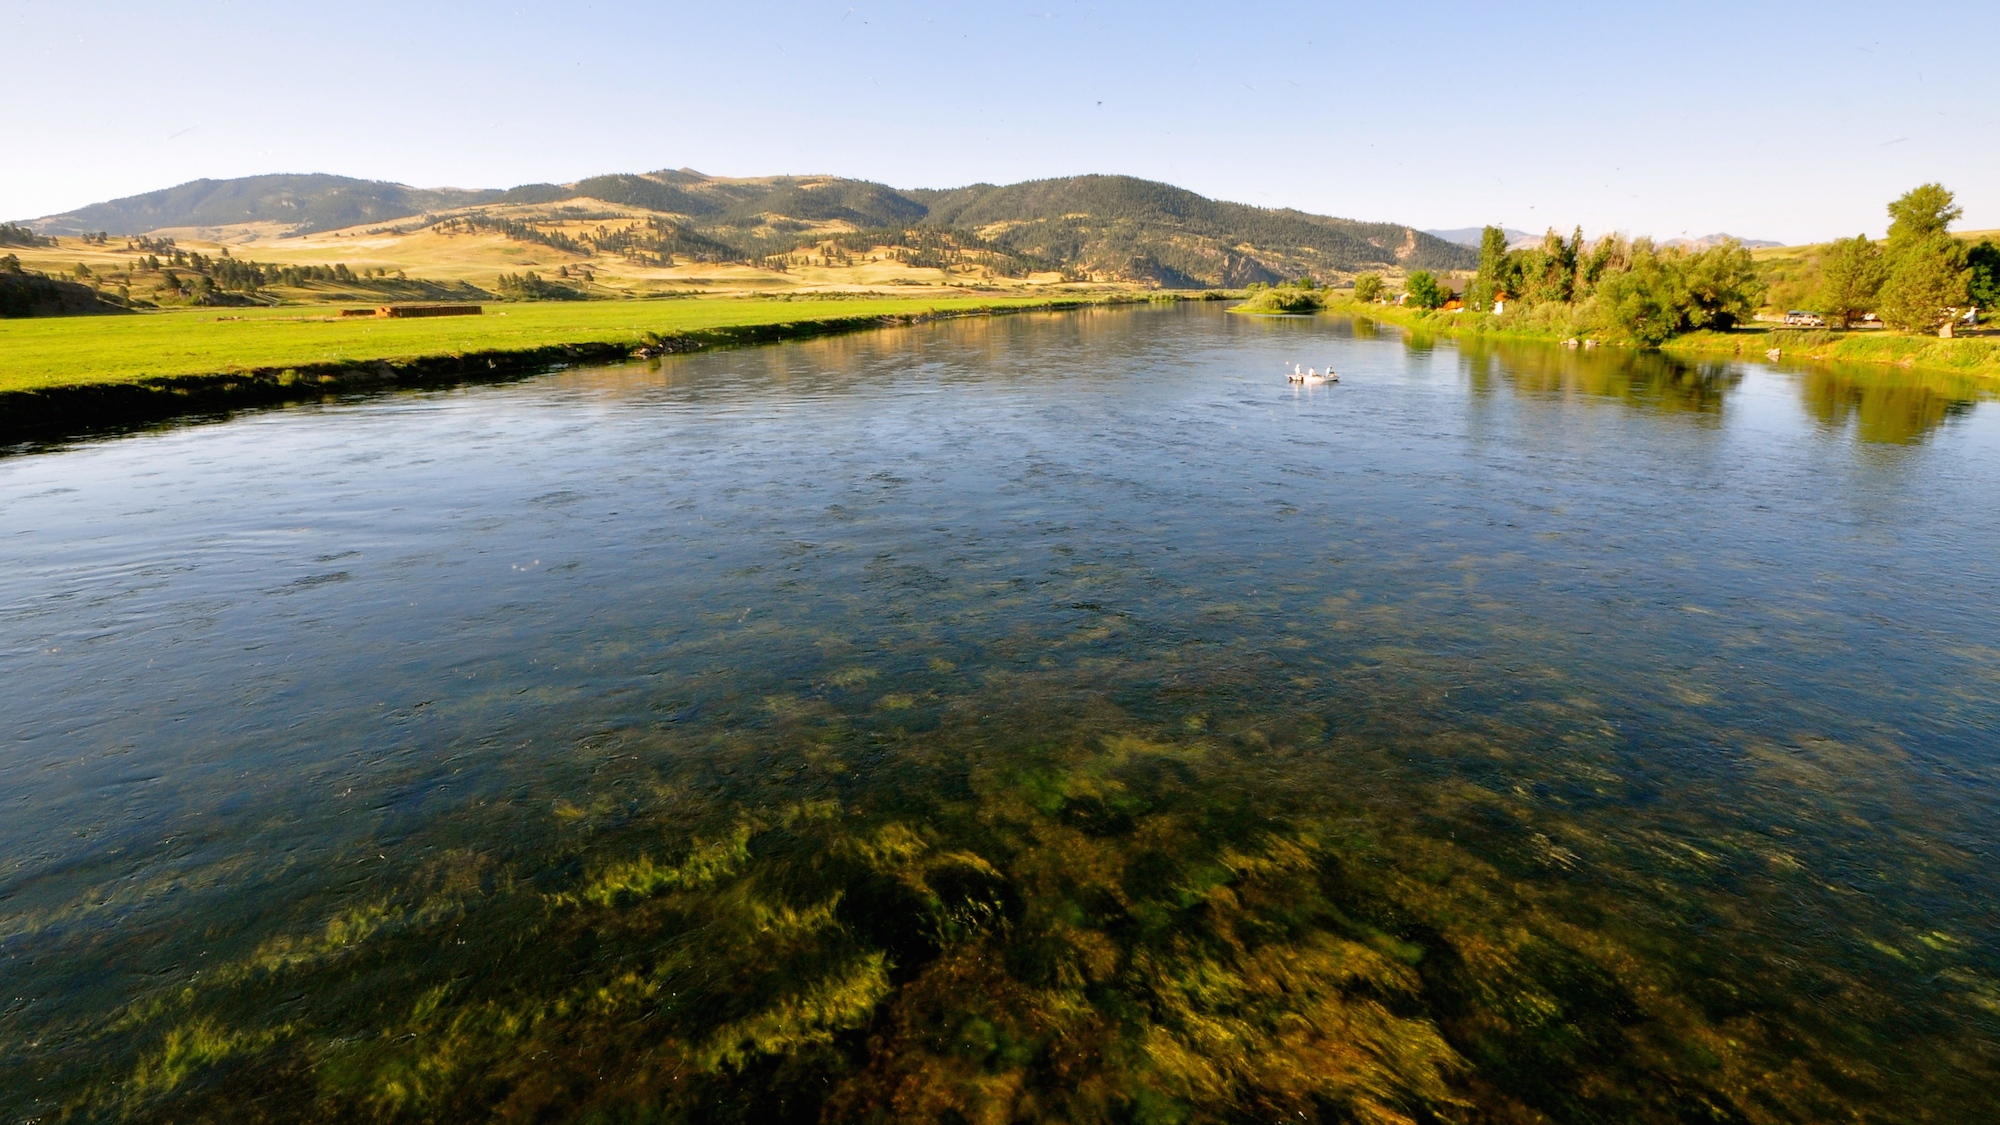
1799	318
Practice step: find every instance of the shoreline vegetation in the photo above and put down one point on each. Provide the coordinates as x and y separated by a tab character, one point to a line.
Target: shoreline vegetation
1918	293
73	376
1974	357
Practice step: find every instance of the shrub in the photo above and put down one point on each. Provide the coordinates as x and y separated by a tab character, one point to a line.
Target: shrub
1424	290
531	287
1284	299
1670	291
1641	303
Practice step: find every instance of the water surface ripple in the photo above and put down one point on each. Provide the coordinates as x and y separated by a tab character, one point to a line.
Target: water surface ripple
1051	716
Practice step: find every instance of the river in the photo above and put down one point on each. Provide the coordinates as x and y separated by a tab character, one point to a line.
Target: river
1045	716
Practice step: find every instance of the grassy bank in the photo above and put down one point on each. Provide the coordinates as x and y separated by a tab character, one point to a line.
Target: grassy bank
1977	357
70	351
62	376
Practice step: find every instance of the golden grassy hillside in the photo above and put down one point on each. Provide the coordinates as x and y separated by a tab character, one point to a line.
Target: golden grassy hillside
443	252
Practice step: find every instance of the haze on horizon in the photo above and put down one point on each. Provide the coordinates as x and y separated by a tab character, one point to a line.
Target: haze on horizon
1790	121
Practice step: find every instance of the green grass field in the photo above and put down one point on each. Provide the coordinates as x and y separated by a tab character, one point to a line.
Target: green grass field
76	351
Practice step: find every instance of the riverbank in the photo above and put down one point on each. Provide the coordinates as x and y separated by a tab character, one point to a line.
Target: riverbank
72	376
1976	357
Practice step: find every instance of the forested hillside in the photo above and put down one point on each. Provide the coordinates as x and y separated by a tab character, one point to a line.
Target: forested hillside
1100	227
307	203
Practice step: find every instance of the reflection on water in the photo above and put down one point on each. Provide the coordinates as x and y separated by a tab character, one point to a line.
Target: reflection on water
1055	717
1654	380
1885	405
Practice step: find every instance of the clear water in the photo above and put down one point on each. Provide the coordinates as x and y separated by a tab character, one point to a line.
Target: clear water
1048	717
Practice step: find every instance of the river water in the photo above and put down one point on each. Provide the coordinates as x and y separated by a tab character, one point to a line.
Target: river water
1056	716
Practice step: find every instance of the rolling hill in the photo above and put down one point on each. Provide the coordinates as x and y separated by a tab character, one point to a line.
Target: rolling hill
1084	227
306	203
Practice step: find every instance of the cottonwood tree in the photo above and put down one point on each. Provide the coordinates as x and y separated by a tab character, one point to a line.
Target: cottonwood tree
1719	284
1920	214
1851	274
1928	279
1424	290
1927	286
1668	291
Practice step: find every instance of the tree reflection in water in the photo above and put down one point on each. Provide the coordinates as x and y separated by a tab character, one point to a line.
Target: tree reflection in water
1884	405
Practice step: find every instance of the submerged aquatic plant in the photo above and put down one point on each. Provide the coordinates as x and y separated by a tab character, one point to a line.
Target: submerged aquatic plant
1114	928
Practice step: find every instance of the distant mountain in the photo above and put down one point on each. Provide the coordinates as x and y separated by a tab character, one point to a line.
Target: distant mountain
1522	240
1708	240
1470	236
1152	230
307	203
1100	226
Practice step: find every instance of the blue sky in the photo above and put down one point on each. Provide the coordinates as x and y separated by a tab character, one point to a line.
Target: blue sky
1785	121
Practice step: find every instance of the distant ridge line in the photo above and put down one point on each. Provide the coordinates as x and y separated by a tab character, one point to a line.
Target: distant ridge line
1521	240
1105	226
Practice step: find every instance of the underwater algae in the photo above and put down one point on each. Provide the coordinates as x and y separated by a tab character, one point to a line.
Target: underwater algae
1018	916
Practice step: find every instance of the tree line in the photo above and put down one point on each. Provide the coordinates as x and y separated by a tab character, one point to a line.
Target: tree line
659	242
241	276
1627	288
14	234
510	228
192	275
931	247
531	286
1920	278
1630	288
656	242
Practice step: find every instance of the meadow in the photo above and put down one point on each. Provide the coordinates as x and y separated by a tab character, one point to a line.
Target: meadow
75	351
